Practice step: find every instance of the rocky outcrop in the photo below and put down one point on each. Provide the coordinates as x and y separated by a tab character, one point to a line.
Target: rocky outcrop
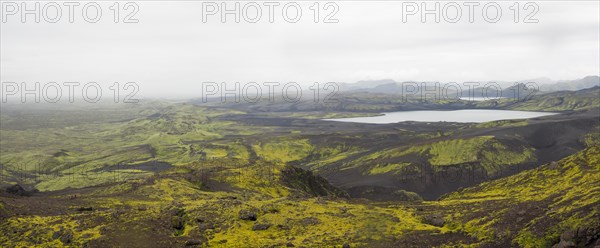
580	237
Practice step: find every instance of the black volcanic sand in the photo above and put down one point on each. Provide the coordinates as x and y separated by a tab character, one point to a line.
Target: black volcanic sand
554	137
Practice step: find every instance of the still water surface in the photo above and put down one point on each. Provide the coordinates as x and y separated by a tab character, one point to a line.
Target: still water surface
465	115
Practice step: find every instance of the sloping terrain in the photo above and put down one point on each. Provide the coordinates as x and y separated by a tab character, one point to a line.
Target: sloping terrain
179	174
556	203
185	206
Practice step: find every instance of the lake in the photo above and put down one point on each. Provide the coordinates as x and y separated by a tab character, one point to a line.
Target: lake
465	115
480	99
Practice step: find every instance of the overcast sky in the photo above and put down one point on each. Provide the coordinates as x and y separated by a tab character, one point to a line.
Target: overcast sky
170	51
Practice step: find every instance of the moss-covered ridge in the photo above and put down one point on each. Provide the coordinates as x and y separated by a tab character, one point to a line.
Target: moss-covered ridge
533	208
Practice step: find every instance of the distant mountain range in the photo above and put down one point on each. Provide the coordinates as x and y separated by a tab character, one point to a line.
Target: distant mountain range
578	84
389	86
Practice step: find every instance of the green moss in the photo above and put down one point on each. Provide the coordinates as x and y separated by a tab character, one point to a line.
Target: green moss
569	189
87	179
502	123
457	151
592	138
283	151
386	168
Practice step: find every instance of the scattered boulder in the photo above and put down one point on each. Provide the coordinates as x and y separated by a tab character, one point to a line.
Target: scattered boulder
118	212
310	221
269	208
58	233
283	227
435	220
192	242
247	215
177	222
81	209
206	225
345	246
580	237
178	218
568	235
261	226
564	244
67	237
